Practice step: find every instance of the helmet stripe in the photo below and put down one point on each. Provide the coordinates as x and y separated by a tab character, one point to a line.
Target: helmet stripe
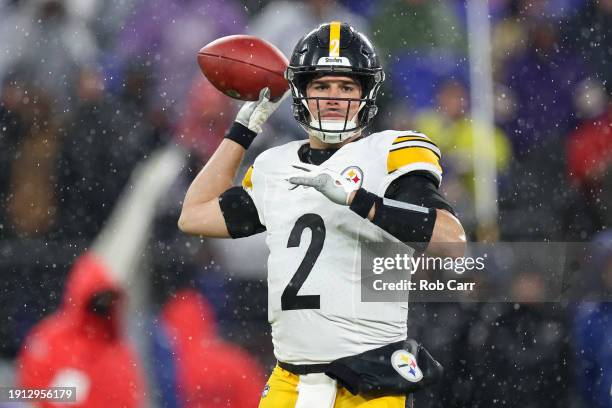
334	39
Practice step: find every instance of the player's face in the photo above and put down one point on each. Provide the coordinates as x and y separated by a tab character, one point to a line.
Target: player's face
333	87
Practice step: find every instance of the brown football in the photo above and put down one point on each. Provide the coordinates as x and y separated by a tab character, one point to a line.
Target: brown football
241	65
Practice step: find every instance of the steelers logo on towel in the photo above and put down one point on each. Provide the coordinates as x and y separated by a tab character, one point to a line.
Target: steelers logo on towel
406	365
354	175
265	391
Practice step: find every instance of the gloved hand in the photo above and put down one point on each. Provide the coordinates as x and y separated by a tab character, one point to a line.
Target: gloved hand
328	182
253	114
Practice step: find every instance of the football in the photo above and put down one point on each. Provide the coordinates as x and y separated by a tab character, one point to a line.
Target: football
241	65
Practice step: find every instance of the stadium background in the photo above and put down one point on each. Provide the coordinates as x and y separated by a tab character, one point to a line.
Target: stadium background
96	95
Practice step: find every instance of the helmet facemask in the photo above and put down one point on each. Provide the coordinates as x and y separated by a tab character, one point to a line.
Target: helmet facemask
334	130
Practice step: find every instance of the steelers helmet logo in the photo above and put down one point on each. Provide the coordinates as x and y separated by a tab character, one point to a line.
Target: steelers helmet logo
406	365
354	175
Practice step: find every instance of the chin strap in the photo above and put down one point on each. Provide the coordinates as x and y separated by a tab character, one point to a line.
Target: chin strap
331	137
333	126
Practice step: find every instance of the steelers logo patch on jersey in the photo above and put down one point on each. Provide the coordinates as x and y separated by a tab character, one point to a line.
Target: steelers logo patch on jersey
354	175
406	365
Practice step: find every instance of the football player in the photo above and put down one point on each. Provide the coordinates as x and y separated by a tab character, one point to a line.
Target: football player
318	200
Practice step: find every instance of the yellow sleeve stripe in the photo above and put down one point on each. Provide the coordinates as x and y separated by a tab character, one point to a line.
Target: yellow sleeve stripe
412	137
408	155
246	181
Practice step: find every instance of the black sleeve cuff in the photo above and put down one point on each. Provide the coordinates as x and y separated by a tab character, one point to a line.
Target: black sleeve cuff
241	135
240	213
413	227
419	188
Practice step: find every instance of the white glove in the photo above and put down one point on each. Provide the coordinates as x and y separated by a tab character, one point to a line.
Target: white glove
253	114
329	183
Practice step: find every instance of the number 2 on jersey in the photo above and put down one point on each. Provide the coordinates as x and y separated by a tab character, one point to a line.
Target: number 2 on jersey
290	300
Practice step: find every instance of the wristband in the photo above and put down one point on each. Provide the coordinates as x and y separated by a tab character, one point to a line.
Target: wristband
363	202
241	135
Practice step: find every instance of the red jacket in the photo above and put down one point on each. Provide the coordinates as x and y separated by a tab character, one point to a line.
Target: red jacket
208	115
210	372
75	346
589	149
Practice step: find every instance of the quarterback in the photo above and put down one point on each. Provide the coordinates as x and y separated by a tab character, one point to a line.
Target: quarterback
318	200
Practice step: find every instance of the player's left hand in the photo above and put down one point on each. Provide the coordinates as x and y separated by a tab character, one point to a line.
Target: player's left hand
329	183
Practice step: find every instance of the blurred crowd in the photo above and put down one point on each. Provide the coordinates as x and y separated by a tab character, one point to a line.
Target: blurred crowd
89	89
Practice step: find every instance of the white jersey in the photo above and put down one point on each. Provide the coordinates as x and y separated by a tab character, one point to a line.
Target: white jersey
314	294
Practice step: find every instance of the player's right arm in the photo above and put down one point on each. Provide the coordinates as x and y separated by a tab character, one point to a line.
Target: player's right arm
201	213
